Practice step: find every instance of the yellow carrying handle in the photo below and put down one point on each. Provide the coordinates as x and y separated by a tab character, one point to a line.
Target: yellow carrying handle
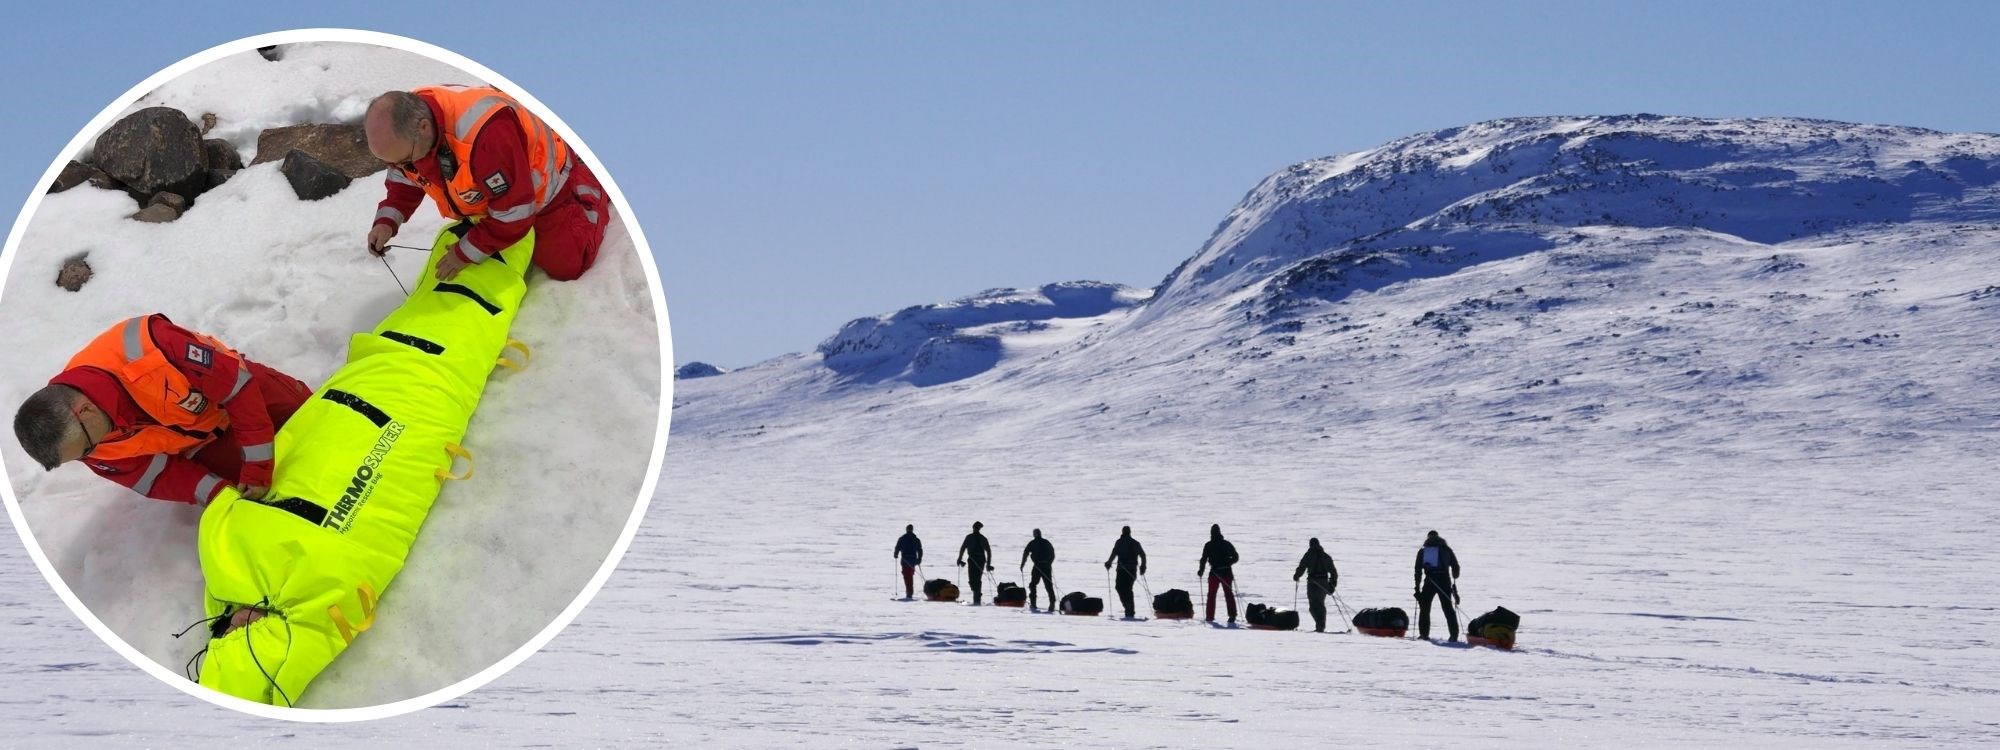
347	631
527	355
456	453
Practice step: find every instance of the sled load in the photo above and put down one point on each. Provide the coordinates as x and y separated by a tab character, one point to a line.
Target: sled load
1010	594
1391	622
358	468
1265	617
1494	629
940	590
1173	605
1075	603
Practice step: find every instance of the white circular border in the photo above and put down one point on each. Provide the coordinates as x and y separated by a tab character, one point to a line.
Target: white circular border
250	44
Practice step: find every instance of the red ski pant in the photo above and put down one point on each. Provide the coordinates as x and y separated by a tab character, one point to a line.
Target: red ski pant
909	581
1228	590
569	232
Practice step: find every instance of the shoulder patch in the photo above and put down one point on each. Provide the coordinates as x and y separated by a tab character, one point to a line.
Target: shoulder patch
471	196
194	403
200	355
106	468
496	184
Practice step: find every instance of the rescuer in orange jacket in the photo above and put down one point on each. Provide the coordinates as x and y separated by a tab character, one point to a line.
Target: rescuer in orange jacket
480	155
170	413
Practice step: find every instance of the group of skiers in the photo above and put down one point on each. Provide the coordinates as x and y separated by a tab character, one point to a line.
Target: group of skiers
1436	572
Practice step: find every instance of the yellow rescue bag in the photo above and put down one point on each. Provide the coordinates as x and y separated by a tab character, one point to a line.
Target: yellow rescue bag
356	471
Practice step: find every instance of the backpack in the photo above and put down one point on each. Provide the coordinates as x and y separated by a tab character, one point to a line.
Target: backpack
1392	618
941	590
1271	617
1076	603
1009	592
1498	625
1173	602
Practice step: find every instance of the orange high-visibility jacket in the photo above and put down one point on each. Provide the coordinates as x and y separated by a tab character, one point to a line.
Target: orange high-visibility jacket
466	109
188	419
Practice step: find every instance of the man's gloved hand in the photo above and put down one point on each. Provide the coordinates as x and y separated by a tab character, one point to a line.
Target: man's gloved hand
1295	579
961	563
989	568
1455	598
1142	570
1107	565
378	238
252	492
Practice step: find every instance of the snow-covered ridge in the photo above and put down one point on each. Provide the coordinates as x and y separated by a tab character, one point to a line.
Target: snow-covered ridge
941	343
1524	179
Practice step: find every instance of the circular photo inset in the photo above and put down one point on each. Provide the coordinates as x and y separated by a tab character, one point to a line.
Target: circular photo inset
337	367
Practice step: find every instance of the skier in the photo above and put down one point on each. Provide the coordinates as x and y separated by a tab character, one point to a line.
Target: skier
910	551
1436	577
1217	558
980	553
1130	557
480	155
1324	579
172	414
1043	554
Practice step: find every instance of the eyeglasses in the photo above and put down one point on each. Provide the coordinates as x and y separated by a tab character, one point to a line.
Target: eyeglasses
91	443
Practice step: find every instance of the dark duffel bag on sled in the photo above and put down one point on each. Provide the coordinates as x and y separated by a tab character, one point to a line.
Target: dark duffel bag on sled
1495	628
1265	617
1392	622
941	590
1174	604
1010	595
1075	603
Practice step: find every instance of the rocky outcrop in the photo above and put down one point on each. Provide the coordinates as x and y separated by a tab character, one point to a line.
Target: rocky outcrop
694	370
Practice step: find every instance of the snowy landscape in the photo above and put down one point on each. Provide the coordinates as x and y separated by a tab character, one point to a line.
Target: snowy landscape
561	447
1710	403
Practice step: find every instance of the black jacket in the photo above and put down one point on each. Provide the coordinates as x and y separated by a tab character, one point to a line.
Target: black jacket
1446	561
1320	564
910	549
1129	555
1220	556
1040	551
975	550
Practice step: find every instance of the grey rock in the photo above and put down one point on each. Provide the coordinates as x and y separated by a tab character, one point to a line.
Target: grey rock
75	271
73	174
158	213
218	154
151	150
311	178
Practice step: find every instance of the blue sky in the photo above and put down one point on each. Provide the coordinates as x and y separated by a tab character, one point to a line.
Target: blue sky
796	165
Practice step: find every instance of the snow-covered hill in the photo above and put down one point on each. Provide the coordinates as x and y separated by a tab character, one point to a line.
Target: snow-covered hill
1709	401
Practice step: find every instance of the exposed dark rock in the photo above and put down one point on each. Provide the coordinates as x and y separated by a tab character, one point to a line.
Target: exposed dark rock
218	154
343	147
172	200
154	149
75	271
207	123
73	174
694	370
311	178
158	213
271	53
